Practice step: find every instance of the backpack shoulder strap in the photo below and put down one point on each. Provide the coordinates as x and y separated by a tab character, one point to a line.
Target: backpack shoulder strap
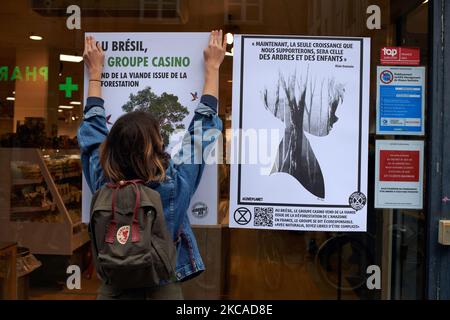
112	228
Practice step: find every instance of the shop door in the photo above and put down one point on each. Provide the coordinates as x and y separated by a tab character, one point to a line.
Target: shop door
329	265
438	255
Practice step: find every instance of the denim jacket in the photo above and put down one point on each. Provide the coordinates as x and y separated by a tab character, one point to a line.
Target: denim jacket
182	179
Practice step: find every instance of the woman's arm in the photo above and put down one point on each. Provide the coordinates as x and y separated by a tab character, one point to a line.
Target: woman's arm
93	130
214	55
94	58
205	128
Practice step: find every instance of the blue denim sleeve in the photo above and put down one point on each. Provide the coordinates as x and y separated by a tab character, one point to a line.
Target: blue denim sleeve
204	130
91	133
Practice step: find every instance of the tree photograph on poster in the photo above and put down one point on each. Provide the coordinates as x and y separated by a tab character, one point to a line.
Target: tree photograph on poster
315	115
165	107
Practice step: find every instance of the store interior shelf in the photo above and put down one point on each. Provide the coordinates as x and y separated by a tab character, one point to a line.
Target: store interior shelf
50	177
30	209
67	176
20	182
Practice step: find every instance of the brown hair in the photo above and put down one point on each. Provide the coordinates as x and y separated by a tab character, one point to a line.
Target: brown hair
134	149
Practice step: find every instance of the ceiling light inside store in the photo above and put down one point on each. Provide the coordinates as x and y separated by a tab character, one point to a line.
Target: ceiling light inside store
77	103
70	58
426	1
73	118
65	107
14	92
35	37
60	110
230	38
10	98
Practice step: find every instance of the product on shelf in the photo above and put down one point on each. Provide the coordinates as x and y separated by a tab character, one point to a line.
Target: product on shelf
25	170
69	193
64	167
31	196
26	262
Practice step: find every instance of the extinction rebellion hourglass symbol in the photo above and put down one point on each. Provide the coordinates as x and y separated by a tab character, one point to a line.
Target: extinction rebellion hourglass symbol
242	216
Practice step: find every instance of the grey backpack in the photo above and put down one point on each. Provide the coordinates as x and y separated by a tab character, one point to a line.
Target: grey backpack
132	247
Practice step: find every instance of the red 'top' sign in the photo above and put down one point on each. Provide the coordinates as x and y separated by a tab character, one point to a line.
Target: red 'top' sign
400	56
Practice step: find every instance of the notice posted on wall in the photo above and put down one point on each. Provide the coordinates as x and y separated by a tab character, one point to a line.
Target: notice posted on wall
161	73
300	133
400	100
399	174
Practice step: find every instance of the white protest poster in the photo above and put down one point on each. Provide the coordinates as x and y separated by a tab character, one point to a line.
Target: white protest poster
168	67
300	141
399	174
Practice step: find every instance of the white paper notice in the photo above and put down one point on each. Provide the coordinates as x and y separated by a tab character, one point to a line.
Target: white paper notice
162	66
299	159
399	174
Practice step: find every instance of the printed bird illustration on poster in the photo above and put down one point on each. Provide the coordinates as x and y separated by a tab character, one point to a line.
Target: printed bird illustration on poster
163	74
300	107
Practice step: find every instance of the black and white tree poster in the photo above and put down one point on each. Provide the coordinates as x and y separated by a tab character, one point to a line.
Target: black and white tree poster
300	133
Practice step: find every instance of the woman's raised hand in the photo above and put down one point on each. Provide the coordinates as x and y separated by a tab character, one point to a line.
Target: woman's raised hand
94	58
215	51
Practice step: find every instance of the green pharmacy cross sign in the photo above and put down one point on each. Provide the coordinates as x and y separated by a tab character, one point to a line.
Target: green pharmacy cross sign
68	87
